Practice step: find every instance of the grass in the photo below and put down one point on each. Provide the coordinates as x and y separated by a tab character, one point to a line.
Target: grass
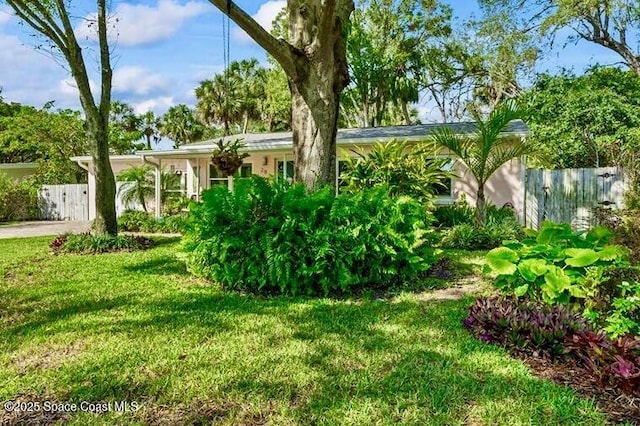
138	327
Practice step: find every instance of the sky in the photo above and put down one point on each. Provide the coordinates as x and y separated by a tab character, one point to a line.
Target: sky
163	48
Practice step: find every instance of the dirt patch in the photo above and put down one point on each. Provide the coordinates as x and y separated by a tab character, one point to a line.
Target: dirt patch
461	289
47	357
620	408
31	416
205	412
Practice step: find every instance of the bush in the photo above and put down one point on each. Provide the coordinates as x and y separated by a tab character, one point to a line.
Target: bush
174	206
18	200
172	224
90	244
274	237
139	221
461	212
625	224
136	221
399	167
454	214
471	237
623	314
553	331
556	265
523	327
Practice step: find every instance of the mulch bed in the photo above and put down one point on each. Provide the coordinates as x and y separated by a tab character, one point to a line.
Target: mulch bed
621	408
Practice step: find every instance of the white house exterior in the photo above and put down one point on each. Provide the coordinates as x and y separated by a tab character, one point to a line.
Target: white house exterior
271	154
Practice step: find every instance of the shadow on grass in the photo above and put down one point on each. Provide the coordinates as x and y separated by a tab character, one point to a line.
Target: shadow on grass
161	241
47	320
389	362
164	265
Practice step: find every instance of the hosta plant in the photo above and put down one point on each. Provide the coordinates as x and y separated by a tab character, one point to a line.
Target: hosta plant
555	265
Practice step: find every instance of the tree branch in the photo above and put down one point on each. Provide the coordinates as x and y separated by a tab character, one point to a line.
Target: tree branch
46	27
105	61
279	49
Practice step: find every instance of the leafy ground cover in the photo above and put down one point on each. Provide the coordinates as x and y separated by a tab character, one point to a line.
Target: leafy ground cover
137	327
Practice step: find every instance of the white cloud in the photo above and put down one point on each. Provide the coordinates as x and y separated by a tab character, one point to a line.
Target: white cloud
138	80
158	105
136	24
5	16
33	75
264	16
69	88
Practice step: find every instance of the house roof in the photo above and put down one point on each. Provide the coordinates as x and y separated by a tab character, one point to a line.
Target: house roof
12	166
260	141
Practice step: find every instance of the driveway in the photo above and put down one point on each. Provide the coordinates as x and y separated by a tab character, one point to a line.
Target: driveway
41	228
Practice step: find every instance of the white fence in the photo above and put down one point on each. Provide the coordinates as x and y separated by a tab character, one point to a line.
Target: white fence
71	202
64	202
570	195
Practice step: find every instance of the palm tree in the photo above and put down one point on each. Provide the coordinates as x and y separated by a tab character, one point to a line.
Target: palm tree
150	127
180	124
485	151
250	79
219	102
137	187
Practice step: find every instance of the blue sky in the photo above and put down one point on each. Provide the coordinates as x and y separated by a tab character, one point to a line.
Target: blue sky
165	47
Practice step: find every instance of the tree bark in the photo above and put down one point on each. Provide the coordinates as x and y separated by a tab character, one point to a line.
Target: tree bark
481	206
316	66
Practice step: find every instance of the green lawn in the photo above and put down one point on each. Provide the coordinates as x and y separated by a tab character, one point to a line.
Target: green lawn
138	327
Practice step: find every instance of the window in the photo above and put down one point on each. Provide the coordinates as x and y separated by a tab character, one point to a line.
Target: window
246	170
445	190
342	167
215	178
287	173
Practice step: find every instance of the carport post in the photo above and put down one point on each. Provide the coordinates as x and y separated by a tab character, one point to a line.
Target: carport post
158	188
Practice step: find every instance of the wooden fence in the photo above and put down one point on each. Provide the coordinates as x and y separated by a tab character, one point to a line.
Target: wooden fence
570	195
71	202
64	202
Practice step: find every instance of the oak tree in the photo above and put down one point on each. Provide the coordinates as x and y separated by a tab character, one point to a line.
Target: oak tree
314	60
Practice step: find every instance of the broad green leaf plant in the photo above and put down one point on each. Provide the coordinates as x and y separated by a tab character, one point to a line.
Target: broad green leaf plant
555	265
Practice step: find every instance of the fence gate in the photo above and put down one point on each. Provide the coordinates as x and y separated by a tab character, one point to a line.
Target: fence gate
570	195
64	202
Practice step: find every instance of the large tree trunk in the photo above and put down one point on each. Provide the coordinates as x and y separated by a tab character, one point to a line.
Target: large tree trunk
316	88
105	221
315	124
315	62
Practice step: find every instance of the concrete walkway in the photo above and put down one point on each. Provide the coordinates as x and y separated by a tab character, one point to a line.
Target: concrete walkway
41	228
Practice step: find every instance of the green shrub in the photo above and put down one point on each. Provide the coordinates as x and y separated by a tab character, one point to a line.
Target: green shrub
399	167
136	221
18	200
273	237
467	236
99	243
454	214
623	316
175	224
625	224
175	206
556	265
139	221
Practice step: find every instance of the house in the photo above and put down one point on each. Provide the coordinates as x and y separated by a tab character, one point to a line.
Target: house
18	171
272	154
